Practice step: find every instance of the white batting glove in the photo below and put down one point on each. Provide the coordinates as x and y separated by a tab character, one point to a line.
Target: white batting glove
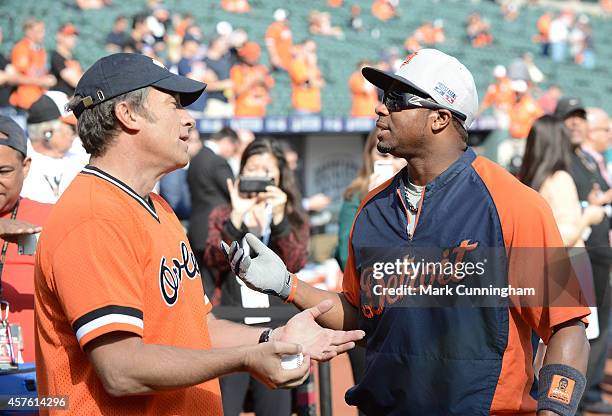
261	270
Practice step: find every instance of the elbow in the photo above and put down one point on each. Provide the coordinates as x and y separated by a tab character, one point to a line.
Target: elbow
116	384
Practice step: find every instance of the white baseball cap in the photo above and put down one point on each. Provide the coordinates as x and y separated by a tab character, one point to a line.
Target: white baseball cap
430	72
499	71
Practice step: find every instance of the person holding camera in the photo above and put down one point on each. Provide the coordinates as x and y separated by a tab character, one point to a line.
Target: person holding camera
265	202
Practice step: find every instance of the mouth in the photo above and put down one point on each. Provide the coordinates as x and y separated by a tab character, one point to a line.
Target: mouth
382	126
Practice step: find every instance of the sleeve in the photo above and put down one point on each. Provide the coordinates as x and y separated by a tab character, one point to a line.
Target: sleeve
99	280
355	84
292	246
535	255
489	97
217	222
57	64
20	58
298	72
539	260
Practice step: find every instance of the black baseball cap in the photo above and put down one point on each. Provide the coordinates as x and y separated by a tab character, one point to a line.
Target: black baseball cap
569	105
15	136
121	73
43	109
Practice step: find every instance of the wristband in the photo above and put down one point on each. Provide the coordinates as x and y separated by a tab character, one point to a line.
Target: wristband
265	336
293	290
560	389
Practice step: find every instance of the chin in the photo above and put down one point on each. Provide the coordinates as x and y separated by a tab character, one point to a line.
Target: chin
384	147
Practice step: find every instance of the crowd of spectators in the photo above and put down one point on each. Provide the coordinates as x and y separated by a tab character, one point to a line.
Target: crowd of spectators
178	41
564	36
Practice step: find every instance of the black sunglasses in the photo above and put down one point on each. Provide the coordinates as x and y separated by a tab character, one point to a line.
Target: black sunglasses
397	101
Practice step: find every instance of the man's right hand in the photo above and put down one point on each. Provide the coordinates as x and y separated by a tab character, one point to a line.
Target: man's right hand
264	363
11	230
262	270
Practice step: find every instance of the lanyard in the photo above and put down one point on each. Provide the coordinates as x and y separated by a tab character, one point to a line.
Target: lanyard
5	247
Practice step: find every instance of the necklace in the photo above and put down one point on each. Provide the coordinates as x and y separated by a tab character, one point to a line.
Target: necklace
411	207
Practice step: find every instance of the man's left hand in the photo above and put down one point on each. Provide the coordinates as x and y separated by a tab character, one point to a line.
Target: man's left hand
11	230
319	343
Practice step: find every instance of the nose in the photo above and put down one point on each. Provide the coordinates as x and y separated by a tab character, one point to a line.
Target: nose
186	119
381	110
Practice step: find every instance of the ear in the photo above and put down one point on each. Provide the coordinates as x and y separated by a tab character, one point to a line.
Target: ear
26	166
442	118
127	116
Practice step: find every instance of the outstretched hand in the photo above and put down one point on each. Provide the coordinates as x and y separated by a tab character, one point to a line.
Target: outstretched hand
319	343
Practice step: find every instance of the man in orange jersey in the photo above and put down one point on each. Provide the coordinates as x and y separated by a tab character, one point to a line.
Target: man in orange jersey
251	83
119	301
306	80
444	357
501	96
364	95
29	58
279	41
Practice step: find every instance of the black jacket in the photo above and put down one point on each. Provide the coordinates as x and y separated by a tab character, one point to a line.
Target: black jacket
585	172
207	177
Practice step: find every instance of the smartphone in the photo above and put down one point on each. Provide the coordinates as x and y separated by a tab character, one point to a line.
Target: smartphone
250	184
26	244
384	169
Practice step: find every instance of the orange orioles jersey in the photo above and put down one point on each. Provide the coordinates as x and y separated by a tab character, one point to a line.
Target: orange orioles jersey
109	260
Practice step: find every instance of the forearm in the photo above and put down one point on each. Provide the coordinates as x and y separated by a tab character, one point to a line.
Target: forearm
569	346
343	315
139	368
227	334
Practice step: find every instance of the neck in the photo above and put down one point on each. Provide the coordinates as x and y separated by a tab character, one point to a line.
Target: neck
64	51
40	146
9	208
425	167
124	166
589	146
32	40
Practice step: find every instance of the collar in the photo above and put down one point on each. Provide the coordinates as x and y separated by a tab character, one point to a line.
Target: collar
146	204
593	153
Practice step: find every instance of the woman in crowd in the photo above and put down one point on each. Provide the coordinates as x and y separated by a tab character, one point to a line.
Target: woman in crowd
545	168
276	217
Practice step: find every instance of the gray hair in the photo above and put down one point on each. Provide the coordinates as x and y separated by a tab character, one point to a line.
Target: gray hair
98	126
39	130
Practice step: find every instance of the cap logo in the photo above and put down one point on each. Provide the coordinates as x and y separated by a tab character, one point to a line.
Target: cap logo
408	59
100	95
445	92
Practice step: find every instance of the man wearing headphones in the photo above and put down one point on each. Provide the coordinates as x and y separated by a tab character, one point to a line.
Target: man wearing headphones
51	132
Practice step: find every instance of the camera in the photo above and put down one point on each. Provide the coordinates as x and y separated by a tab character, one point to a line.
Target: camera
254	184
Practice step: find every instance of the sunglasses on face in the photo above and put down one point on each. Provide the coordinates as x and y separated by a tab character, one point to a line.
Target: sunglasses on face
398	101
